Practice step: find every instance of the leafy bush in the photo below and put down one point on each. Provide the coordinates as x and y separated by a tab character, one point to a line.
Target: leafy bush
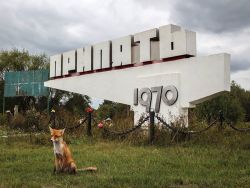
229	105
18	122
3	119
31	121
65	119
112	110
36	121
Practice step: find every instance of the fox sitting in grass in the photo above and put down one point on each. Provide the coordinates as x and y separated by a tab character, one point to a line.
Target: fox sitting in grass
63	157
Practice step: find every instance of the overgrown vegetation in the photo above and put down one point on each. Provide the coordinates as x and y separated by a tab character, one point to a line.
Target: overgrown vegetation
235	106
217	158
212	159
22	60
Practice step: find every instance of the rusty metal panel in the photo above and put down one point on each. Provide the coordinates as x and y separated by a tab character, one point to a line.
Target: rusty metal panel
26	83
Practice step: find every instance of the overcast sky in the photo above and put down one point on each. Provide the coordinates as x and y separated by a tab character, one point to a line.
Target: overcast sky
55	26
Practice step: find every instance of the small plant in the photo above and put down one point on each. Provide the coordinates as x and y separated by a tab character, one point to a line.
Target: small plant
66	119
18	122
3	119
32	120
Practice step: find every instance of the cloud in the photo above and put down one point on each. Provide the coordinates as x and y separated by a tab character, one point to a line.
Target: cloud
59	25
221	26
213	16
234	43
242	78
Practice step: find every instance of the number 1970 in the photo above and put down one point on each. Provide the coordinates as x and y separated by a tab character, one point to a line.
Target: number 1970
162	94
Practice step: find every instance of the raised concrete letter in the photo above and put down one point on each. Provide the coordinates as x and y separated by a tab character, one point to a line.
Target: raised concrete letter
175	41
69	61
121	51
144	39
55	65
101	57
84	59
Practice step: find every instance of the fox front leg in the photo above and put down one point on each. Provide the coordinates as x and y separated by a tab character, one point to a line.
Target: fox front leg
58	169
72	168
54	171
57	166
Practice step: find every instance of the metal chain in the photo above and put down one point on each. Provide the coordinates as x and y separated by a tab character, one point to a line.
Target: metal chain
78	125
182	131
238	129
232	126
141	121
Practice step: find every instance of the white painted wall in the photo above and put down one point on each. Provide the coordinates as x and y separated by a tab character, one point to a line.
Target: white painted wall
196	78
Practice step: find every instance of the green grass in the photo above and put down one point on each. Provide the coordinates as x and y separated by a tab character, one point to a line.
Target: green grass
208	160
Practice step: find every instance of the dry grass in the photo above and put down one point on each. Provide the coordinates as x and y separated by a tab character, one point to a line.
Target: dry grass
212	159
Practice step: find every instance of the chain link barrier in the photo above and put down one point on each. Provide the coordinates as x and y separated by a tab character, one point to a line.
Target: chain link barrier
238	129
55	123
141	121
81	122
231	125
220	119
180	129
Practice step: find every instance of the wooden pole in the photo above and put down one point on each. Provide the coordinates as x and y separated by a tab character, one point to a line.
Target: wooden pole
89	132
151	128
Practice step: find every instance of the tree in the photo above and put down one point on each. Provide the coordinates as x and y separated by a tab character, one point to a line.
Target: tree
16	60
38	62
231	104
21	60
112	110
13	60
77	103
73	102
243	96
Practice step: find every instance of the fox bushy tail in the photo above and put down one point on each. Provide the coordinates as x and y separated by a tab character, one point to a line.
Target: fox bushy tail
90	169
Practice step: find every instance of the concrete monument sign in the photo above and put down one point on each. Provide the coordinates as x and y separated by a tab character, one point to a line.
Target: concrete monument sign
153	70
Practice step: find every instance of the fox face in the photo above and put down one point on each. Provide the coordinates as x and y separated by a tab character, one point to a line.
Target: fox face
56	134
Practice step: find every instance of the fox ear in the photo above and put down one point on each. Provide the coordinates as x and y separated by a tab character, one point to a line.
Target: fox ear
51	130
62	131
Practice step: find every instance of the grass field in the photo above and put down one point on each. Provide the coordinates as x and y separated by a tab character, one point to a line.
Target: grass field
208	160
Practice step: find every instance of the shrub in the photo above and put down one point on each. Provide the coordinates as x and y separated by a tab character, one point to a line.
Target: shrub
230	106
32	120
18	122
112	110
3	119
66	119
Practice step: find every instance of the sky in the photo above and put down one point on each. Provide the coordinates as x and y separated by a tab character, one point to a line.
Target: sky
56	26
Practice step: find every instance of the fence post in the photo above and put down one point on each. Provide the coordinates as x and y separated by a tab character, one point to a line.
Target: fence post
3	105
221	119
53	118
151	128
48	101
89	133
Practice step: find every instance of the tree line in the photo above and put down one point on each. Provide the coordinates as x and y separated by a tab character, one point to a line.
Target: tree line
22	60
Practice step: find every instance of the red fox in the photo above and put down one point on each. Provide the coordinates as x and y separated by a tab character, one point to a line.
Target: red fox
63	157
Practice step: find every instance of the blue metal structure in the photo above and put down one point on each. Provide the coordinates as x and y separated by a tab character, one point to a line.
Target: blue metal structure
26	83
